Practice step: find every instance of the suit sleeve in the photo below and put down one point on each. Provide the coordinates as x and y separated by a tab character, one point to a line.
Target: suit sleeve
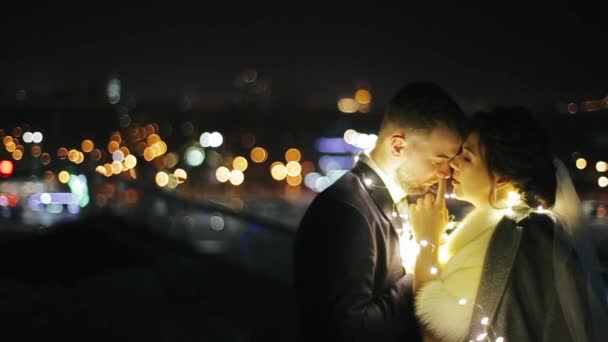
356	312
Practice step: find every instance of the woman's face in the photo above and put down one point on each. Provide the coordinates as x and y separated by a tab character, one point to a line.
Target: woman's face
470	179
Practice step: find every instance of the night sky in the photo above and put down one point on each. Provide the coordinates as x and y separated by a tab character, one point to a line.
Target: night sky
509	54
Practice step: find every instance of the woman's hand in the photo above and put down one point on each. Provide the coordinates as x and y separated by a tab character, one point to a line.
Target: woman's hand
429	216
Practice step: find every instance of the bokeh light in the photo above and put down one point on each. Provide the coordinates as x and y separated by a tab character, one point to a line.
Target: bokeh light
293	168
240	163
36	151
181	175
294	180
62	153
194	156
237	177
601	166
162	179
96	154
87	146
278	171
113	146
222	174
216	139
602	181
17	154
116	167
258	155
581	163
45	158
363	96
293	154
149	154
171	160
130	161
28	137
348	105
37	137
64	176
153	139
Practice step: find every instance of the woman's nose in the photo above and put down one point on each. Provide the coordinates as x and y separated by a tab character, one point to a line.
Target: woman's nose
454	163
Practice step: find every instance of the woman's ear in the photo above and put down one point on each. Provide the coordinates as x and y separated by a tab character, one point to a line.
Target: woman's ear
397	144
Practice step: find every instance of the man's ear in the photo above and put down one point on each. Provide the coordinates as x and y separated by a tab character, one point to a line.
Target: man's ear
397	144
500	182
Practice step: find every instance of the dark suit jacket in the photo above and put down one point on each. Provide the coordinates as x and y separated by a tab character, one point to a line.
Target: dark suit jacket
349	278
518	290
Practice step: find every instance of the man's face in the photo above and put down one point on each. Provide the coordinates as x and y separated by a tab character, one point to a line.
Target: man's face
425	158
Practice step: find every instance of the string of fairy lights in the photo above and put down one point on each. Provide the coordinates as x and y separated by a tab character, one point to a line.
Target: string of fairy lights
410	248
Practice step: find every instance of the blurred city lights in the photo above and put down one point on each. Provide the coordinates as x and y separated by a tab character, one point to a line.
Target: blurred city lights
173	182
118	156
64	176
100	169
45	198
602	181
293	168
293	154
348	105
149	154
222	174
236	177
6	168
216	139
601	166
36	151
363	97
194	156
109	170
204	139
17	154
153	139
113	146
87	146
162	179
28	137
130	161
11	147
294	180
240	163
581	163
116	167
113	91
171	160
181	175
62	152
216	222
45	158
278	171
37	137
258	155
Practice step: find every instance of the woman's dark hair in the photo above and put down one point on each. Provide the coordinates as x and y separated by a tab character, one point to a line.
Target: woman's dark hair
515	146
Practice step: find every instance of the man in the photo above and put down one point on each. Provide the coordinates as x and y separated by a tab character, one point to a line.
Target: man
349	278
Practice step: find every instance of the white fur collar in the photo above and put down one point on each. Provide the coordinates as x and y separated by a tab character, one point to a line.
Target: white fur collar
445	306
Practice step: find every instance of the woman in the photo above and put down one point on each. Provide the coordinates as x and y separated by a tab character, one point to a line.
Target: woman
519	267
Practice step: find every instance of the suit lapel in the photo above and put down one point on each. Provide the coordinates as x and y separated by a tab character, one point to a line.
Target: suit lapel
495	273
379	193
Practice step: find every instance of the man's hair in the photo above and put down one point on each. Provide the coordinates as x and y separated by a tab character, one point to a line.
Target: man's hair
423	106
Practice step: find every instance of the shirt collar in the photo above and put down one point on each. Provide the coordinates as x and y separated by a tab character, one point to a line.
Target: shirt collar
396	191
